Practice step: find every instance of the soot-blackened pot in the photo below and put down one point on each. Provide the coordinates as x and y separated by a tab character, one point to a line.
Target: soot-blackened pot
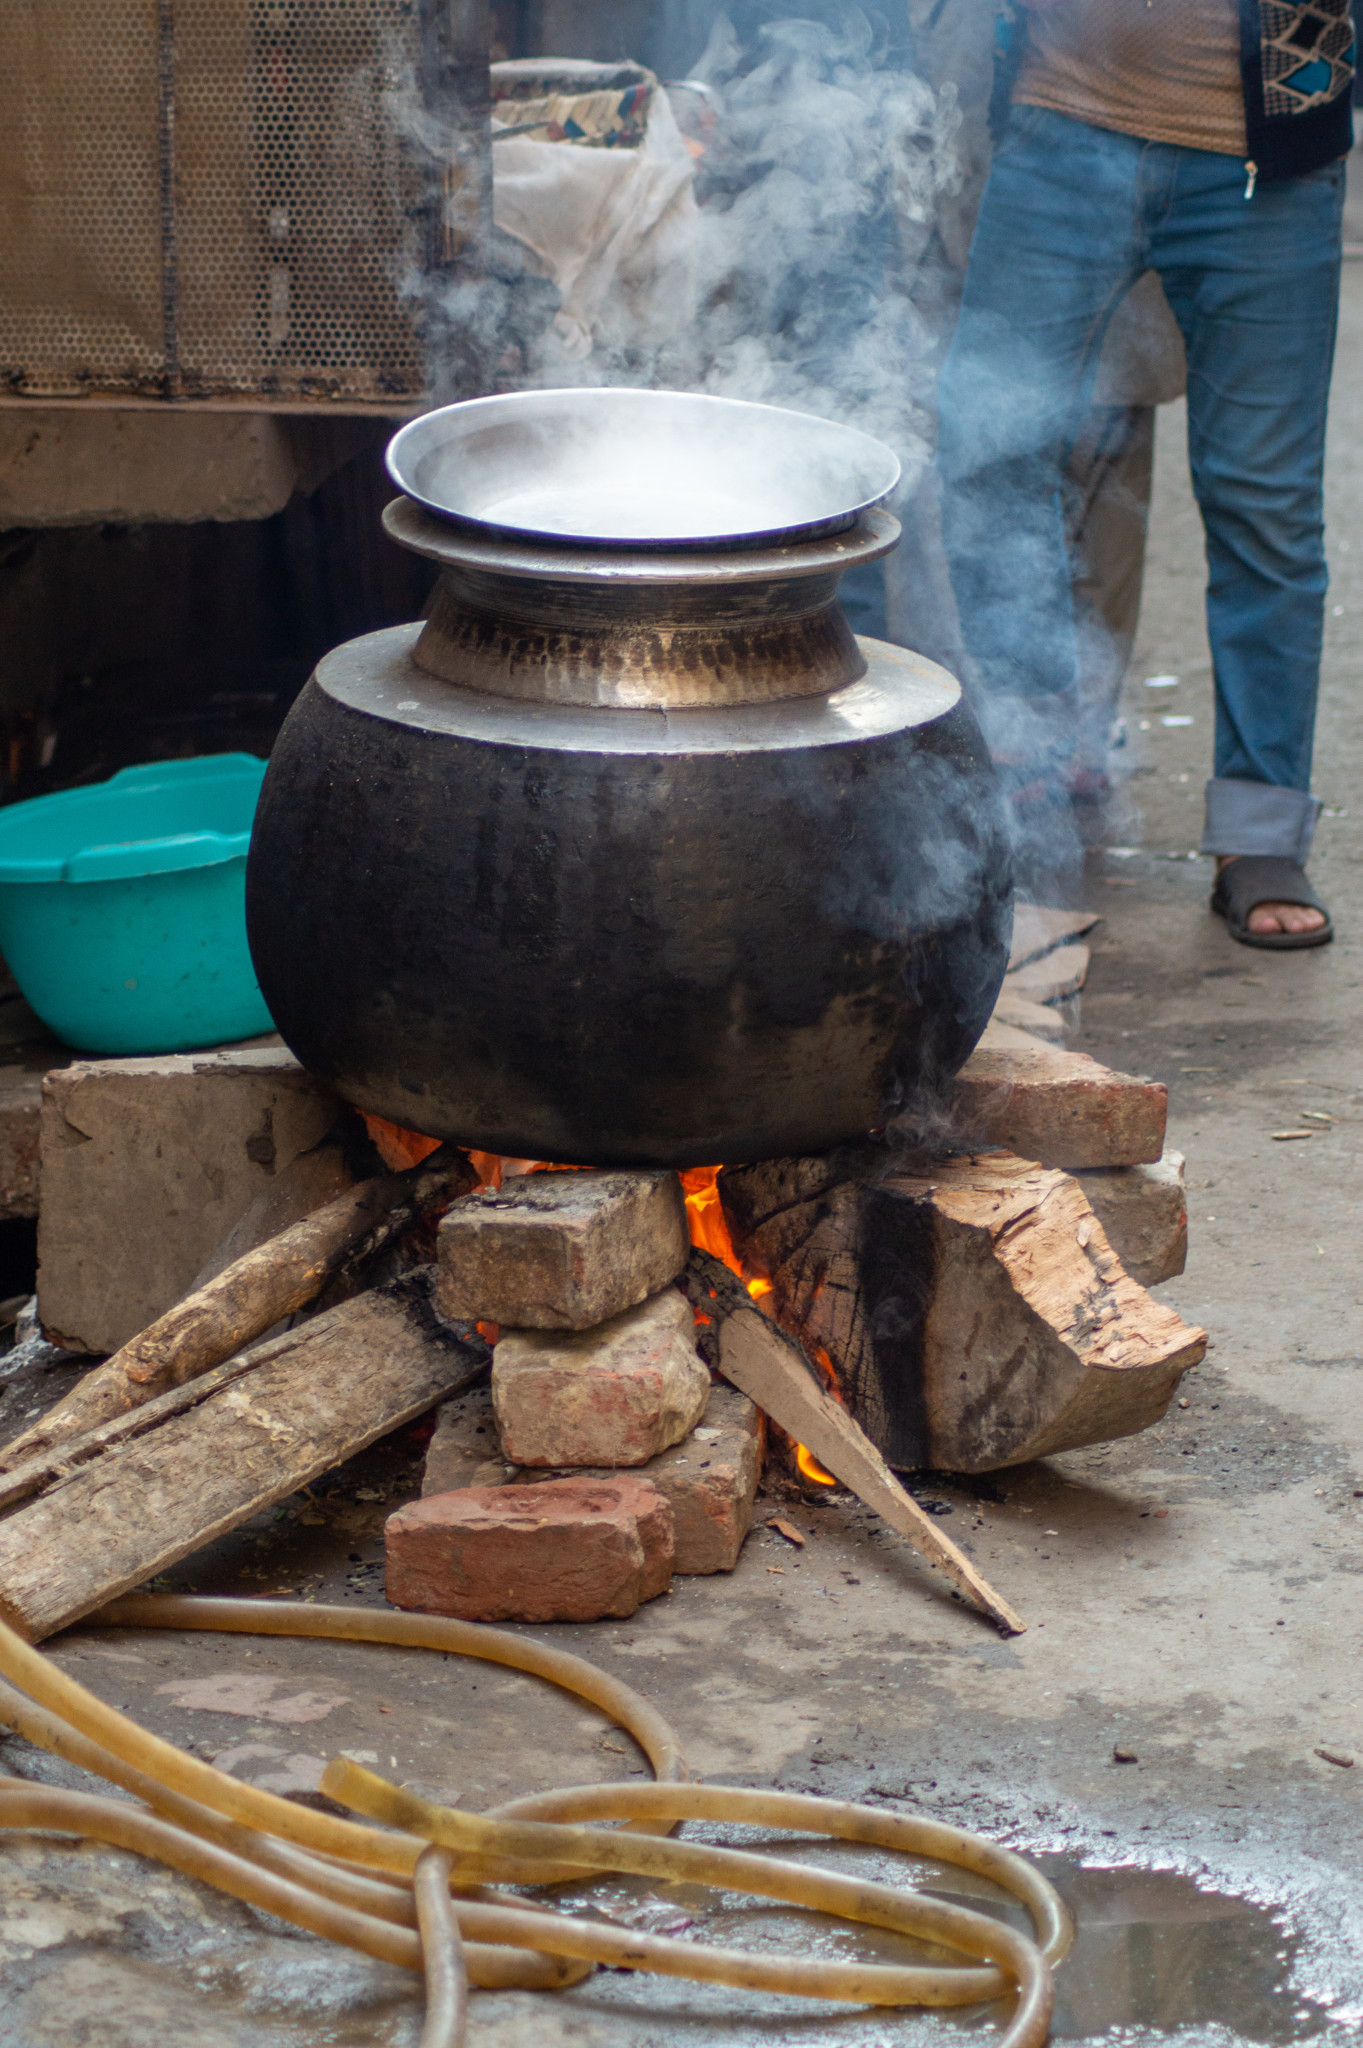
629	936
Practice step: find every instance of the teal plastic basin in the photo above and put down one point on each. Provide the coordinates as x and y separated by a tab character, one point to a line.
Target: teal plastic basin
122	907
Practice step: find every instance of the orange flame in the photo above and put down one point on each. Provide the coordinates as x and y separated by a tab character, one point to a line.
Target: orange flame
811	1467
710	1233
704	1215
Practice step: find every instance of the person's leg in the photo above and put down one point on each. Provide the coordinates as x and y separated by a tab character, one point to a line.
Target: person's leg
1059	239
1255	287
1110	472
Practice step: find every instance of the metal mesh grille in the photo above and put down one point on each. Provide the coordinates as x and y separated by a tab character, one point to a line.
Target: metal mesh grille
206	197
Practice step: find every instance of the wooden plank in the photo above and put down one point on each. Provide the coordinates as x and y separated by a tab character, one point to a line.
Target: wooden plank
247	1298
768	1365
37	1474
762	1363
327	1389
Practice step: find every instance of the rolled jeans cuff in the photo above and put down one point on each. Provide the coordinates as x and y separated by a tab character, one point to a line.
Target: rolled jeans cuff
1259	817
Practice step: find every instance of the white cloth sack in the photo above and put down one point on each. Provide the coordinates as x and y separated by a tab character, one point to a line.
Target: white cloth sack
613	228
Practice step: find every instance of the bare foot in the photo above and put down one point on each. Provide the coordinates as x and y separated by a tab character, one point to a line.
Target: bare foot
1277	917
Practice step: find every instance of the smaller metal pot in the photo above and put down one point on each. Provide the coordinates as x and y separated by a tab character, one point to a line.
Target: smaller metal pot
640	469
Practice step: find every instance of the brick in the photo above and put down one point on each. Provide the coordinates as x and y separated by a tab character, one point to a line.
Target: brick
1058	1108
567	1550
1053	978
1144	1214
464	1449
710	1482
561	1251
614	1395
147	1166
709	1479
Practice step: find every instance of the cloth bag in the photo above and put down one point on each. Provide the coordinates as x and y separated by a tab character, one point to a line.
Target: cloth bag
613	226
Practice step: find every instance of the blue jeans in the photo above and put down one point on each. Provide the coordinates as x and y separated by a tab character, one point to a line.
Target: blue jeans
1071	217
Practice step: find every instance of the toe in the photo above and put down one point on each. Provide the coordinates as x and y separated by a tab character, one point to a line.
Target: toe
1285	917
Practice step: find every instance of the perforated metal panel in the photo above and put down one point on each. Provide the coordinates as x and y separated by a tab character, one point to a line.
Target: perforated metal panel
207	198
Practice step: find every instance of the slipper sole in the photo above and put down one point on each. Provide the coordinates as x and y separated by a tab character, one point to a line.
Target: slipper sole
1275	942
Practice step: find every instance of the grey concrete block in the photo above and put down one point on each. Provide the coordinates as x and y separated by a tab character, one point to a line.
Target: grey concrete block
1144	1212
561	1251
147	1165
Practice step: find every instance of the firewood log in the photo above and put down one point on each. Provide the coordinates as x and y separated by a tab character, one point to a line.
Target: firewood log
247	1298
245	1437
768	1365
972	1307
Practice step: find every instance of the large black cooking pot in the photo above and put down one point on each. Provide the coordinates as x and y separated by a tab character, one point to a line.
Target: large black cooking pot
630	858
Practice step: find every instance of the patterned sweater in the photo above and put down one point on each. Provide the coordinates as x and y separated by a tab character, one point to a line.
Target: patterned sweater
1296	69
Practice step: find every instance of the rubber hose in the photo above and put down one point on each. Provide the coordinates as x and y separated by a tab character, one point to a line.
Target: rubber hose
532	1848
266	1811
909	1834
531	1843
385	1899
447	1985
126	1827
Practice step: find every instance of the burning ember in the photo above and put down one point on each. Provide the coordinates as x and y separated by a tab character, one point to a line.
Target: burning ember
704	1214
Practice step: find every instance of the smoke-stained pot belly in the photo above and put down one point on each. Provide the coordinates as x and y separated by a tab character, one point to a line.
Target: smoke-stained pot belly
628	937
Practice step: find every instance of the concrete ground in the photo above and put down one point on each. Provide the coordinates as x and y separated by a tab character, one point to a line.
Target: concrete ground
1192	1595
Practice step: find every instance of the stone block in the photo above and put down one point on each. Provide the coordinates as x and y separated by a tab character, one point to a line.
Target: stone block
614	1395
1144	1214
568	1550
1058	1108
561	1251
1052	978
1020	1013
147	1165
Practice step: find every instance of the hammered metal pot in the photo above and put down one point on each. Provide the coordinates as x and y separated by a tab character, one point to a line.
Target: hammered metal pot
630	859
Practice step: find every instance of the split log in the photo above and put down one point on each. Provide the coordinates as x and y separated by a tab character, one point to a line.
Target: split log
241	1440
973	1309
1059	1108
764	1363
246	1299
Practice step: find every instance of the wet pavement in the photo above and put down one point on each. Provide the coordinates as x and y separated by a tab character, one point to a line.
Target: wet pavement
1193	1595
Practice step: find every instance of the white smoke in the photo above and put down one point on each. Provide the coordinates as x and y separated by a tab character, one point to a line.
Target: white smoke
789	283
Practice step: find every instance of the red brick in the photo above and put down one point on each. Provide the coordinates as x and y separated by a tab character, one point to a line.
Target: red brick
1058	1108
566	1550
710	1481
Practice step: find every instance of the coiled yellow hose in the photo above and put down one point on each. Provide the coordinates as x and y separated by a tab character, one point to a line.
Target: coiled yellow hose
386	1890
